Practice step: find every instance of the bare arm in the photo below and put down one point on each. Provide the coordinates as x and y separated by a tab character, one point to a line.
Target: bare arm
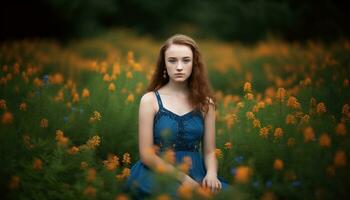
147	154
210	180
211	162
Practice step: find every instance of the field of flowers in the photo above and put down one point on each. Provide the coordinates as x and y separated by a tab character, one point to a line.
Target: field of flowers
68	117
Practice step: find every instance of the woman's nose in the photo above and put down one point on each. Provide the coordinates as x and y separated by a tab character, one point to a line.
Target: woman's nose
179	66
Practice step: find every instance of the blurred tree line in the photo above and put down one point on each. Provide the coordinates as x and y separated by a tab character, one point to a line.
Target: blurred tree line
244	20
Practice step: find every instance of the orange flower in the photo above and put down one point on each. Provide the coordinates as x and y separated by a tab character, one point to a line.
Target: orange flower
204	192
340	129
340	159
44	123
93	142
291	142
23	106
325	140
57	78
122	196
264	132
163	197
256	123
268	101
112	162
61	139
278	164
218	153
74	150
249	96
85	93
186	164
111	87
268	195
130	98
84	165
228	145
247	87
346	109
91	176
3	104
309	134
37	164
290	119
305	119
125	173
129	75
293	103
37	82
96	116
321	108
126	159
106	78
240	104
75	97
185	191
7	118
116	69
169	156
90	191
281	93
243	174
14	182
278	133
250	115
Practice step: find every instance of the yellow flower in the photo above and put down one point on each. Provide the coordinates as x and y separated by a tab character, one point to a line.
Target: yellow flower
340	159
85	93
281	93
293	103
44	123
325	140
256	123
321	108
309	134
218	153
247	87
278	133
7	118
23	106
126	159
243	174
250	115
90	191
264	132
111	87
130	98
37	164
278	164
340	129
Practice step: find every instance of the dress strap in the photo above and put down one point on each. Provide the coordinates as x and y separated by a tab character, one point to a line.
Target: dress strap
158	99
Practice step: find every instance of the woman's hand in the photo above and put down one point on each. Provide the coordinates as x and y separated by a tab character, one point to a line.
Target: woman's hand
211	181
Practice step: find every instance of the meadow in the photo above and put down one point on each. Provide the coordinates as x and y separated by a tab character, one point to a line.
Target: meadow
69	115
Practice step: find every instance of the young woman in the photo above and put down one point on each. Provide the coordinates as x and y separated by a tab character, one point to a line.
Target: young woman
177	113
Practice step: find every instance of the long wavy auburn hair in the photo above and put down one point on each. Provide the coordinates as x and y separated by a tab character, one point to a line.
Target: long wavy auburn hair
198	84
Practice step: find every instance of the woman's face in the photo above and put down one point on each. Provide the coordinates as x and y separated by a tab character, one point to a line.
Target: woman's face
178	61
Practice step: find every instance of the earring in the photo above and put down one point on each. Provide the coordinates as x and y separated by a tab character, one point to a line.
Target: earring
164	73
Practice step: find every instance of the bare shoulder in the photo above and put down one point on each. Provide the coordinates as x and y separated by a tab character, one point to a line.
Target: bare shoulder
147	101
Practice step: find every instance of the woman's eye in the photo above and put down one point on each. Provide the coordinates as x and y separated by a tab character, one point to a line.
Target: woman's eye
187	61
172	61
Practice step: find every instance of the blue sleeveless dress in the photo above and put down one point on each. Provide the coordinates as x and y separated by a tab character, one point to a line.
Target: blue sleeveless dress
183	134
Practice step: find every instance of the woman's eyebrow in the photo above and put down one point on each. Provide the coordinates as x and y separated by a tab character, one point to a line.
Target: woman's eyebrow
183	57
